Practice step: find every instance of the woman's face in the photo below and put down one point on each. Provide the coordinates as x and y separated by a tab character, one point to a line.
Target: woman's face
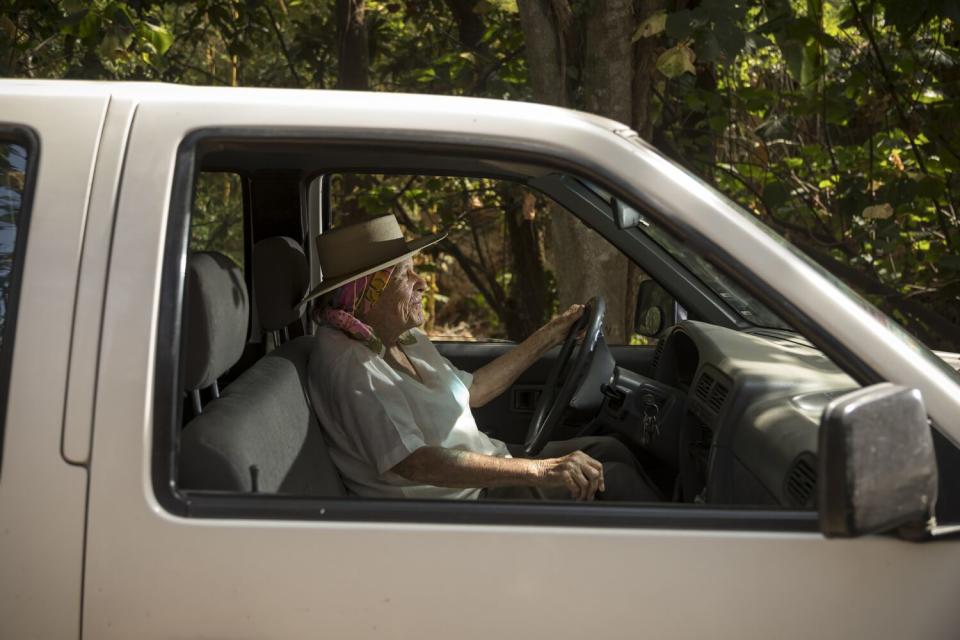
401	303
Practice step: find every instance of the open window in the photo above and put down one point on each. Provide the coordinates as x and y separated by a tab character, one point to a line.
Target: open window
723	413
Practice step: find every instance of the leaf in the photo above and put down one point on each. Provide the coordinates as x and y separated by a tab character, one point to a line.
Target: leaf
950	262
508	6
680	24
793	55
75	6
529	206
8	27
730	38
159	37
775	194
654	24
676	60
110	47
708	48
878	212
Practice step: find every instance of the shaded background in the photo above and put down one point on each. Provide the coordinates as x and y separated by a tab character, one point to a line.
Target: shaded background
835	122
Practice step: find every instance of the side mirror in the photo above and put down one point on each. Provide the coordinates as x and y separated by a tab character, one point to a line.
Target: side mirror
656	310
877	466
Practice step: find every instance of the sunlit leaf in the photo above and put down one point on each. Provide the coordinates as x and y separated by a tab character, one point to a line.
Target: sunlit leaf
878	212
676	60
652	26
159	37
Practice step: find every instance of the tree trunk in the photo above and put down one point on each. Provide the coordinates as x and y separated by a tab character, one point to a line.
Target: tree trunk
352	58
528	304
594	48
545	51
470	27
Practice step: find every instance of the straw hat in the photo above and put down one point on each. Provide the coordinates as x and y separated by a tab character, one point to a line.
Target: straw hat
356	250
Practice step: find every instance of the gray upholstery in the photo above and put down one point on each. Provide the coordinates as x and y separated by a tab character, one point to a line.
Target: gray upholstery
217	317
262	425
280	279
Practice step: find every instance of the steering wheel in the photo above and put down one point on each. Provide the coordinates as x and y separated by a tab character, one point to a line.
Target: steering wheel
566	376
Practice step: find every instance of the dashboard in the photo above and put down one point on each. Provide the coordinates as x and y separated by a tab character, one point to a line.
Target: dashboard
738	413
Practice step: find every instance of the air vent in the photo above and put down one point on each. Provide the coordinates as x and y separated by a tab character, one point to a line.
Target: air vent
704	384
658	352
718	396
801	485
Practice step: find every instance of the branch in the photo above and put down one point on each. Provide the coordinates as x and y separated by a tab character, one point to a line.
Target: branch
494	300
869	285
283	47
901	114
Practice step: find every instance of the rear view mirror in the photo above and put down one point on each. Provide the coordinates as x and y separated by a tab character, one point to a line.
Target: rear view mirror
877	466
625	217
656	310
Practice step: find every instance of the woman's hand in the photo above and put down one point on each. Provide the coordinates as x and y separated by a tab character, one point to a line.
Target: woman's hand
576	471
558	328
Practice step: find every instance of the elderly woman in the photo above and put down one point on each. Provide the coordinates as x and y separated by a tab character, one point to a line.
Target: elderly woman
397	413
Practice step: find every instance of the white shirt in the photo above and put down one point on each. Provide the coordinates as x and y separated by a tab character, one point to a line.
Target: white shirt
375	416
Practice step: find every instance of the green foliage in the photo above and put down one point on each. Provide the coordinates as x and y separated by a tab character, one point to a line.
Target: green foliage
475	268
833	120
216	223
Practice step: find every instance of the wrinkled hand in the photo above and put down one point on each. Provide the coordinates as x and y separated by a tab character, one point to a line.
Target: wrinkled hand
558	328
576	471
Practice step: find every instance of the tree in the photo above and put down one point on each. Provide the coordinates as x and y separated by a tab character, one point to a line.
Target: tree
832	120
581	55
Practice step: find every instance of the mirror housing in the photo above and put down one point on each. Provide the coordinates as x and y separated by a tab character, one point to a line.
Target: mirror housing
656	310
877	469
625	217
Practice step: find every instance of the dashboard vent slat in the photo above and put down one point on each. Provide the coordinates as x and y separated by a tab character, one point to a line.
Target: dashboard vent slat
658	352
718	396
704	385
801	485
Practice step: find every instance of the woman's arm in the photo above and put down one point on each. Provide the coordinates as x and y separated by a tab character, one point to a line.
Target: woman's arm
496	377
455	468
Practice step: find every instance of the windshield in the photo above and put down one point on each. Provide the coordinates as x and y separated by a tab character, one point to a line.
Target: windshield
744	304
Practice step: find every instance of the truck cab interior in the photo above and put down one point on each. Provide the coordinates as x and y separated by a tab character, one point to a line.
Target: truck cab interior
722	404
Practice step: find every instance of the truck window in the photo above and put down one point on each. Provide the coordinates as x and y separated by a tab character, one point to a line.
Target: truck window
16	167
217	222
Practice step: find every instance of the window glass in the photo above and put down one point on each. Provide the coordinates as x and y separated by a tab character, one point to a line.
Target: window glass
217	220
662	411
13	163
744	304
491	279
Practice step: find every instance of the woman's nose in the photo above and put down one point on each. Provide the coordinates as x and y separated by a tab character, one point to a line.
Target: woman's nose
419	284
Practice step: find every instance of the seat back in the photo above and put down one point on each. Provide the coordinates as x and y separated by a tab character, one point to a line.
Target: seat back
281	277
261	434
217	318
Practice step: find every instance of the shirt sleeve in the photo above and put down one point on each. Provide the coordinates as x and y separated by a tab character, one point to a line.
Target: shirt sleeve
376	413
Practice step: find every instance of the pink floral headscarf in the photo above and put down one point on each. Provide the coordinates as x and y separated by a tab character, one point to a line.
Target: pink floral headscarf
357	298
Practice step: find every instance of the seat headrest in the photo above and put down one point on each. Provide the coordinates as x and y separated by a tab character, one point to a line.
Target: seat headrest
217	317
281	277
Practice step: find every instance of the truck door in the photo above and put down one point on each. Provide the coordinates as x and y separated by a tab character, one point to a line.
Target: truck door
161	563
49	137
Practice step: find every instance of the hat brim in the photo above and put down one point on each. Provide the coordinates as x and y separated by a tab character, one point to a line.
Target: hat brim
413	247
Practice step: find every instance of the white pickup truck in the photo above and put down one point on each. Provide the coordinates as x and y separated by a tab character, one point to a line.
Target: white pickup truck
164	476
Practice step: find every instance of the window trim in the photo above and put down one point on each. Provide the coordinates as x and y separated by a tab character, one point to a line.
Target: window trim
167	405
27	138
